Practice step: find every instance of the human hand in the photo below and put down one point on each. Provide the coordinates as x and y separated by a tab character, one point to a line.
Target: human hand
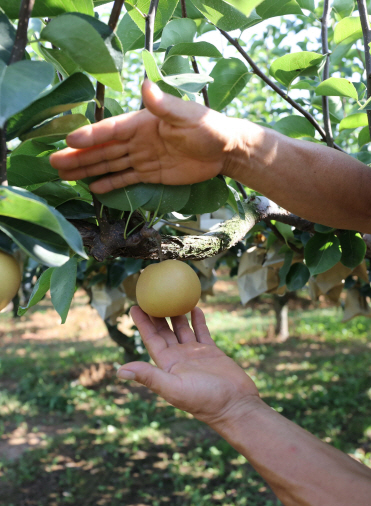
192	373
171	142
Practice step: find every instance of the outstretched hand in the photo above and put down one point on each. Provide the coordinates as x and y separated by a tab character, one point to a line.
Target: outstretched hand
171	142
192	373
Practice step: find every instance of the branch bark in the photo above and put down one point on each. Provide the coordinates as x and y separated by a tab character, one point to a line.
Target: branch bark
278	90
326	72
144	244
362	8
100	92
20	42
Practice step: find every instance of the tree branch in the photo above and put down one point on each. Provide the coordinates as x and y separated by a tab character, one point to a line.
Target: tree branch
17	54
326	72
144	244
112	23
3	155
278	90
362	8
20	42
150	33
279	236
242	189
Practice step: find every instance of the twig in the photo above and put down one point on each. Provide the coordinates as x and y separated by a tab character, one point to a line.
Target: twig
3	152
279	236
17	53
100	92
193	59
242	189
326	72
20	42
363	14
149	33
278	90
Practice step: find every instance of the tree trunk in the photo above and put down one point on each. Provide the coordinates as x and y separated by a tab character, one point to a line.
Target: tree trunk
282	317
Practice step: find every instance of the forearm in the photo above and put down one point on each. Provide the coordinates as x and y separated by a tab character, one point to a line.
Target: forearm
301	469
308	179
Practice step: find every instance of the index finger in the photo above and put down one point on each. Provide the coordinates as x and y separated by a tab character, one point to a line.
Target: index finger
153	341
116	128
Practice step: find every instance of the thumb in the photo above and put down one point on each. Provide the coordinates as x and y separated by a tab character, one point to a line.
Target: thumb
157	380
171	109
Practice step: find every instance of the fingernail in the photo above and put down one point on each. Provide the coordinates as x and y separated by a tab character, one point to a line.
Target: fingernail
126	375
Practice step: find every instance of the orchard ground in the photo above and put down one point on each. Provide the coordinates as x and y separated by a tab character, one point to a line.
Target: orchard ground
71	433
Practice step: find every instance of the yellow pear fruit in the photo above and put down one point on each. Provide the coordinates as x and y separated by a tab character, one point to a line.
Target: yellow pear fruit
10	278
169	288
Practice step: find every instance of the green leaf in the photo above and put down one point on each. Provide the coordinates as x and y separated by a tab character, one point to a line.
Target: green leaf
7	36
206	197
353	248
304	84
343	7
295	127
287	68
39	290
221	14
354	121
56	193
245	6
48	8
297	277
286	231
60	60
271	8
26	170
323	229
74	33
57	129
166	199
29	78
136	9
66	95
307	4
234	201
62	287
289	255
194	49
337	87
230	78
348	30
130	35
178	31
76	210
176	65
41	244
189	83
335	107
23	205
364	136
322	252
128	198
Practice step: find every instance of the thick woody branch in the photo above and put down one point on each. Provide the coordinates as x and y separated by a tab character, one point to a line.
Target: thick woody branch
362	8
20	42
278	90
144	244
326	72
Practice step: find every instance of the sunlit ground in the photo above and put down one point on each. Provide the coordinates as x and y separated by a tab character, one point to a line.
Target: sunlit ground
71	433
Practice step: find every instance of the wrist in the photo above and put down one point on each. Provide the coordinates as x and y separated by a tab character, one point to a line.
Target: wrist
238	415
253	149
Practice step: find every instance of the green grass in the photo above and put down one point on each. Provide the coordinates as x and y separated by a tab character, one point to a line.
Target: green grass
114	443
